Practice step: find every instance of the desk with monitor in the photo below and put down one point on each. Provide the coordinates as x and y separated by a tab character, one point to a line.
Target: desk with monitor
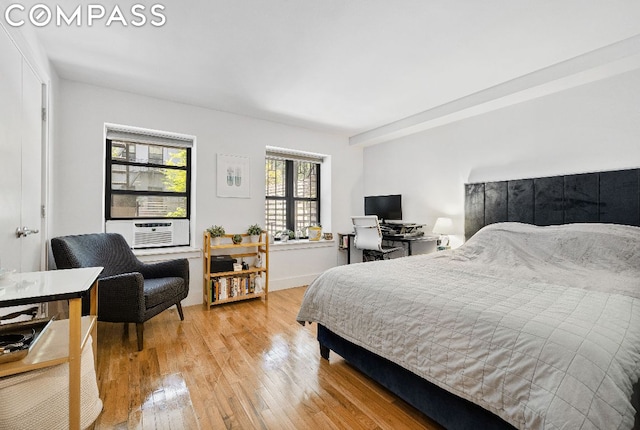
388	209
408	239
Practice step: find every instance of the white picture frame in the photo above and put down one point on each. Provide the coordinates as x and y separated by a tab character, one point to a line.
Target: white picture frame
234	176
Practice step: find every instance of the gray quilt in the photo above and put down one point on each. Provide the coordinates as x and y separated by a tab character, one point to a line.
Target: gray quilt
539	325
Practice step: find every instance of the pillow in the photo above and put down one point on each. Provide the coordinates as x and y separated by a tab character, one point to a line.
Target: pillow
604	257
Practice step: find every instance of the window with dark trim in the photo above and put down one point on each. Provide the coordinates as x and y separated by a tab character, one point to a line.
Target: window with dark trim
292	194
147	180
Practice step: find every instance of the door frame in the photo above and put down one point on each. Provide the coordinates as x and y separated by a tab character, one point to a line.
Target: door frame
44	178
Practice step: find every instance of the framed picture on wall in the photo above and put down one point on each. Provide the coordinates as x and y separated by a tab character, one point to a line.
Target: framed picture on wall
234	176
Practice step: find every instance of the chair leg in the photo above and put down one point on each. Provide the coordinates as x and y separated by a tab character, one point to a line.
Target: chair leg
140	331
179	306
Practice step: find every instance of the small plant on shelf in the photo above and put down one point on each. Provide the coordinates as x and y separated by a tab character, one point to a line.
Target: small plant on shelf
216	232
254	231
237	238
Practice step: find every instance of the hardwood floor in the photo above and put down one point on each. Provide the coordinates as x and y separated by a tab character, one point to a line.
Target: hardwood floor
246	365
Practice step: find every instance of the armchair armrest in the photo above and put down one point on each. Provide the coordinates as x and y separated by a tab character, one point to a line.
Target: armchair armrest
165	269
121	297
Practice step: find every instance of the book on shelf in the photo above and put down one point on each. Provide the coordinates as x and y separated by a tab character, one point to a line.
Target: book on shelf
235	287
223	291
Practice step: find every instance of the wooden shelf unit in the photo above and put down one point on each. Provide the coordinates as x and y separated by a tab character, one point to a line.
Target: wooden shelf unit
212	281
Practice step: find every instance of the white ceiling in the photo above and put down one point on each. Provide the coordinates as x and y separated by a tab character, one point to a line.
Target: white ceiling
339	66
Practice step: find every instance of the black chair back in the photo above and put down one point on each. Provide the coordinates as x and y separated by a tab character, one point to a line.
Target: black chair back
109	250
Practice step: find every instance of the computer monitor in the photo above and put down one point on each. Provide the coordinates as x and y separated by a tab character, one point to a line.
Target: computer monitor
385	207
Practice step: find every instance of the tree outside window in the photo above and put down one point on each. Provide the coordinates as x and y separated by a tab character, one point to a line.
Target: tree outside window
147	181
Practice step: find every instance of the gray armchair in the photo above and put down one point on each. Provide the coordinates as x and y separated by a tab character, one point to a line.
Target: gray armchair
129	291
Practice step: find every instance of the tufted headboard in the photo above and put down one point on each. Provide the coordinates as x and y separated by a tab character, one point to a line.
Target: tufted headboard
609	197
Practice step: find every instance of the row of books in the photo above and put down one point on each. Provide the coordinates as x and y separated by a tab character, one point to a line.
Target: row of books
233	286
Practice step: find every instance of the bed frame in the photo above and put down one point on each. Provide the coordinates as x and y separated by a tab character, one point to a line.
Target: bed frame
447	409
610	197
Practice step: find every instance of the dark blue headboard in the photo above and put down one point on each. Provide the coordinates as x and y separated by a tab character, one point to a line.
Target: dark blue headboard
610	197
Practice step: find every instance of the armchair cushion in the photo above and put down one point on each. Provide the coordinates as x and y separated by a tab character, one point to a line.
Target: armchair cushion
162	290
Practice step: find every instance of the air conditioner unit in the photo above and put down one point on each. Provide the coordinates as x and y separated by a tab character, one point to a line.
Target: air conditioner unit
150	233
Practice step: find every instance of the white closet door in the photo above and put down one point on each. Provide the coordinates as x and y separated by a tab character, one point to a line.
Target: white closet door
20	165
10	153
20	160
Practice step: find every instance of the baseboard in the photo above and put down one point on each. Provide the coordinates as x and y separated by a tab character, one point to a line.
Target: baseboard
296	281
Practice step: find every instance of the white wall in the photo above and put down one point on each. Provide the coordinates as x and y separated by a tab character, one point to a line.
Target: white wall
593	127
78	166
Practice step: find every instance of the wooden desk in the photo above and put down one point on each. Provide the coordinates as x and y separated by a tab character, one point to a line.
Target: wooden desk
64	340
345	240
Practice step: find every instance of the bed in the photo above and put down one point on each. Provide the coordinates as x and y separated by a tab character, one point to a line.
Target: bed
523	326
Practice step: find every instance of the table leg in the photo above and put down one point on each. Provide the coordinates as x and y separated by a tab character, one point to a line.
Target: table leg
93	310
75	355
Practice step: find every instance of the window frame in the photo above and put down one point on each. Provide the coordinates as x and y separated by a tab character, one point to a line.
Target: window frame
289	195
110	192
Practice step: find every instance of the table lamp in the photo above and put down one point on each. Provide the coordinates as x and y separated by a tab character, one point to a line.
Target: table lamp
443	227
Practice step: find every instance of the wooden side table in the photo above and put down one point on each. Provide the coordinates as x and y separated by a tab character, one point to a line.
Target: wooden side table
64	340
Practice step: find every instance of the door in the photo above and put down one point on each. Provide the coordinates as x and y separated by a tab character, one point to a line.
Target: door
20	160
10	152
21	137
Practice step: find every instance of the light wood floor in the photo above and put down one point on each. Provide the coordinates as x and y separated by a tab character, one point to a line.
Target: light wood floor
246	365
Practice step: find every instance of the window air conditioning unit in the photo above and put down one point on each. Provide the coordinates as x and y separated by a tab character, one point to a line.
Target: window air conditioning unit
150	233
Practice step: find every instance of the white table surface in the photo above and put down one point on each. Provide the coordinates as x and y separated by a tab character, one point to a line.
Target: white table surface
34	287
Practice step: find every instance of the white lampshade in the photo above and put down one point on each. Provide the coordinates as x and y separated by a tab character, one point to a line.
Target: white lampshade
443	226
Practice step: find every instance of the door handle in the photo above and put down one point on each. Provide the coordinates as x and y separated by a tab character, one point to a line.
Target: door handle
25	231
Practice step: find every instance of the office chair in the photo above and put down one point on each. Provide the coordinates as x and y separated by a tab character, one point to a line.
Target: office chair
369	238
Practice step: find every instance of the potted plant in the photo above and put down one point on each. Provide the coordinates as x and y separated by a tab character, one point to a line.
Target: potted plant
236	239
254	231
282	235
216	232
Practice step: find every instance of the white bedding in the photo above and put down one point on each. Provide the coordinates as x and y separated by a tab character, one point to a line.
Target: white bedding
540	325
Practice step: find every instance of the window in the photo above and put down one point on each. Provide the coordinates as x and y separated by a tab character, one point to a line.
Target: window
147	177
292	195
